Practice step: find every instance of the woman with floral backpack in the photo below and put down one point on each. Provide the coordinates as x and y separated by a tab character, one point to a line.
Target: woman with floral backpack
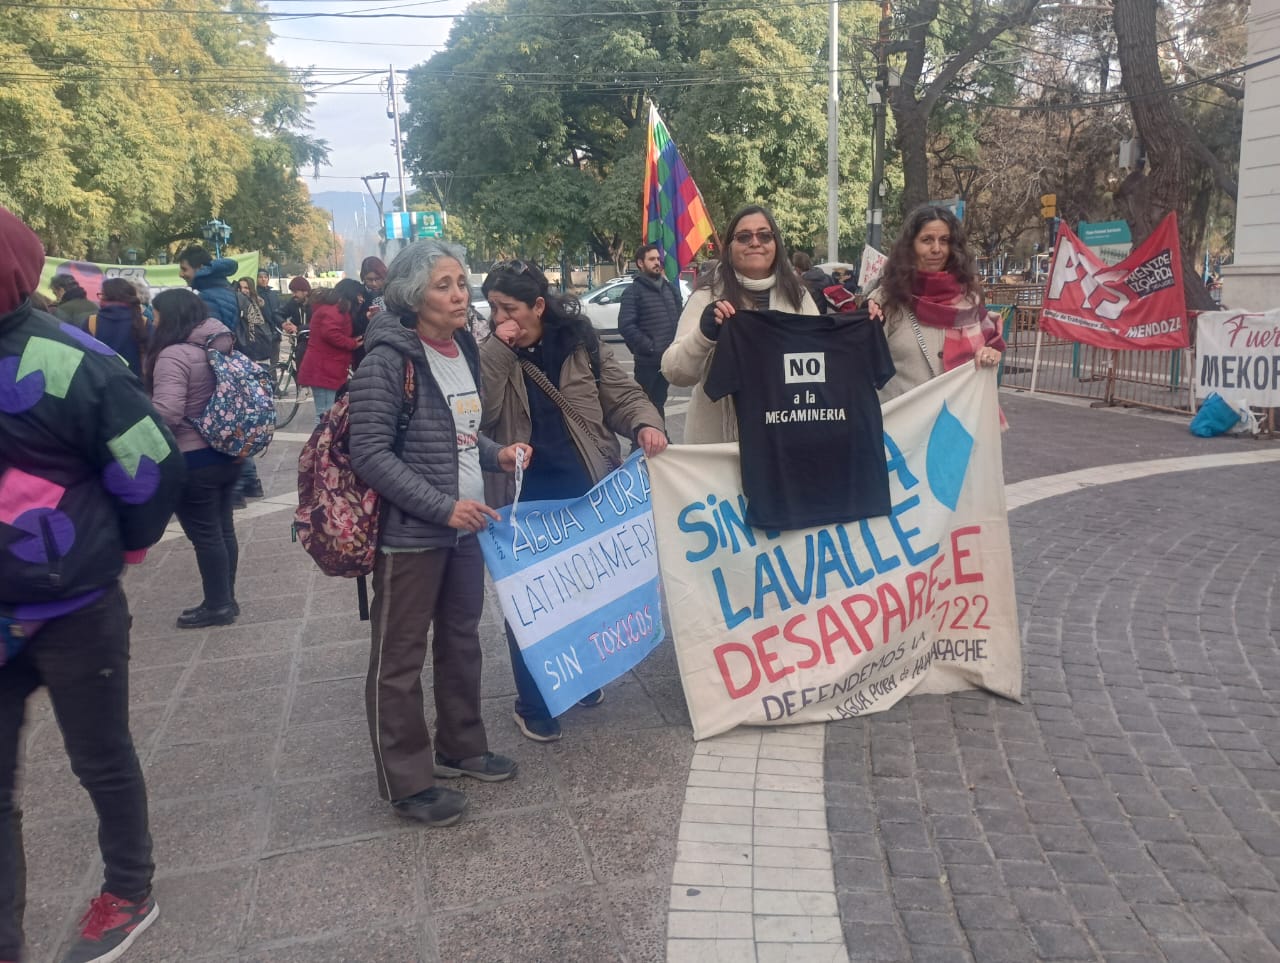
425	461
181	382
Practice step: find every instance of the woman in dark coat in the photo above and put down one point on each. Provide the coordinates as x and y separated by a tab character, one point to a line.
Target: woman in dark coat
120	324
429	573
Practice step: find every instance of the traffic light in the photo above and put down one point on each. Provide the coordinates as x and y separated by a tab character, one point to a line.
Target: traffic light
1048	205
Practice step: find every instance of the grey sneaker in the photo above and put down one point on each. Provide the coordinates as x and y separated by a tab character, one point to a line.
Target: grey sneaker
487	768
539	730
592	699
436	806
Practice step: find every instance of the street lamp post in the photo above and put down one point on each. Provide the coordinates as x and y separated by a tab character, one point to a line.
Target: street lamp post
378	200
217	233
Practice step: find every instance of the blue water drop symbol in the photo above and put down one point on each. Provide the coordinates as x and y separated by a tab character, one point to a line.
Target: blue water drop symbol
947	459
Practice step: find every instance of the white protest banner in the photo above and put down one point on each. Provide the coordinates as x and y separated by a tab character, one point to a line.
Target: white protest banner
828	623
871	269
1238	356
578	583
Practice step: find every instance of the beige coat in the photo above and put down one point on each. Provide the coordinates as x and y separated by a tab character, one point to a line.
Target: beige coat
688	359
913	369
615	406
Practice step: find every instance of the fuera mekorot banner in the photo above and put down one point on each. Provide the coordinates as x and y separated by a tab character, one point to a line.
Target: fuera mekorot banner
846	619
91	274
1238	356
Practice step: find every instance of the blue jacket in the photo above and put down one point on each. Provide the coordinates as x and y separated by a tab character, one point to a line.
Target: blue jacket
219	296
114	328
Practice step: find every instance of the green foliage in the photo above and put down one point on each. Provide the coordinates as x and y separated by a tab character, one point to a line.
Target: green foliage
545	126
129	129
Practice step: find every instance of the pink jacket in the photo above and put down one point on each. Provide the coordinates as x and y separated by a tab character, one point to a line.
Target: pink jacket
183	382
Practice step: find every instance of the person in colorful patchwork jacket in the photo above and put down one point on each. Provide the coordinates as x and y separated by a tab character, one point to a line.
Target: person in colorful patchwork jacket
89	477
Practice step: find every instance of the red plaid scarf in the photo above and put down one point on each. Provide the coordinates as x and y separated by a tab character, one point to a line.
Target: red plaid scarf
940	301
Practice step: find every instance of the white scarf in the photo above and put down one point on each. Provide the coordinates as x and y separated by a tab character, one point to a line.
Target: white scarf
751	284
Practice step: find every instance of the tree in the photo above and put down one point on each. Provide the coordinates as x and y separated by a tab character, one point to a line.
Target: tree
1029	135
544	126
934	53
130	128
1176	156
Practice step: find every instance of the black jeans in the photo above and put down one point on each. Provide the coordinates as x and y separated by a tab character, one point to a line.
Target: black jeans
205	514
83	660
648	374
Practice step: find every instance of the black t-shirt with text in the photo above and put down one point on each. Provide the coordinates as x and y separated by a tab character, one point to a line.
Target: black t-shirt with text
810	436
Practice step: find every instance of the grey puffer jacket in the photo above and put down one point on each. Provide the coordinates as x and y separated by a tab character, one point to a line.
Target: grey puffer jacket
420	484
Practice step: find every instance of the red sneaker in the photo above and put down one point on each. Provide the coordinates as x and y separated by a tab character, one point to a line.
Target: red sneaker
110	927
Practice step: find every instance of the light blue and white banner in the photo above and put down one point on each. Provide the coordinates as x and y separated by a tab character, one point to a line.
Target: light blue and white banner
578	582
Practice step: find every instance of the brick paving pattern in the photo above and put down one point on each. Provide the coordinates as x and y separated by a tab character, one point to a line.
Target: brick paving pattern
1126	811
954	837
271	841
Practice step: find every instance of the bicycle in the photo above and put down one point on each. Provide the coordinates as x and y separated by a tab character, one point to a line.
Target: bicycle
288	394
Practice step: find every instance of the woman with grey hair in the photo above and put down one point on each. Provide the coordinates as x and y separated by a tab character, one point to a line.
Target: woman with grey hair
415	439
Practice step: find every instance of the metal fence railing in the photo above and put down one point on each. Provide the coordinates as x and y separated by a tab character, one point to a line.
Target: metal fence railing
1036	361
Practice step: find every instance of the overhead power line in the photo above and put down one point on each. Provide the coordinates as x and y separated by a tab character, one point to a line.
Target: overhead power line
472	15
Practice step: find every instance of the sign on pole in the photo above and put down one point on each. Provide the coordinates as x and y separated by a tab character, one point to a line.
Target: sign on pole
414	225
1100	233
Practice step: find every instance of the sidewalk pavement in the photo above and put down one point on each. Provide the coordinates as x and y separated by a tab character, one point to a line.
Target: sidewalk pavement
1127	810
272	844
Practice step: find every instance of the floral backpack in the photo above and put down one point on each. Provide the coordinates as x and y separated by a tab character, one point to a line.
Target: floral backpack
240	417
338	515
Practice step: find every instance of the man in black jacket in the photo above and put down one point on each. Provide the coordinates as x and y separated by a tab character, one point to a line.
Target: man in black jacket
270	304
89	477
647	321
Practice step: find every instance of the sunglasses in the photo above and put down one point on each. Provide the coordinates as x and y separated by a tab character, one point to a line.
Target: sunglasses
764	236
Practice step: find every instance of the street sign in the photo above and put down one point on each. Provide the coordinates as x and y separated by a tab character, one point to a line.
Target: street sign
1101	233
414	224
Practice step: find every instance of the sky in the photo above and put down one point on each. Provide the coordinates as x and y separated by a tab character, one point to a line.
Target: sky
353	117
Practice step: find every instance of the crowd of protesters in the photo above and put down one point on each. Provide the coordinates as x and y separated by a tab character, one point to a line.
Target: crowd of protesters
95	462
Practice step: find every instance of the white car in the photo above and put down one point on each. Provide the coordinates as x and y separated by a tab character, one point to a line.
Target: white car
601	305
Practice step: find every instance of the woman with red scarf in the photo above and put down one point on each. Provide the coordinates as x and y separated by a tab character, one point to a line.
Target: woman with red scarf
931	302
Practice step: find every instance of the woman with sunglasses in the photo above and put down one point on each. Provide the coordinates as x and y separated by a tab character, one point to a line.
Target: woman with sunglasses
753	273
544	357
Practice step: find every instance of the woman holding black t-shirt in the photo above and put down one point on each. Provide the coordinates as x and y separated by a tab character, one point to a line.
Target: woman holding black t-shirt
544	357
753	273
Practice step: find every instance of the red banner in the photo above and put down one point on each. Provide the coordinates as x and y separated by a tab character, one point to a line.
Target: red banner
1137	304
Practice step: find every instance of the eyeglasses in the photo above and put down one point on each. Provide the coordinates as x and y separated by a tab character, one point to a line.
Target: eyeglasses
515	266
764	236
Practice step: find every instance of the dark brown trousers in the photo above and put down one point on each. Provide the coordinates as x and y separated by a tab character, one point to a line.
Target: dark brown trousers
441	589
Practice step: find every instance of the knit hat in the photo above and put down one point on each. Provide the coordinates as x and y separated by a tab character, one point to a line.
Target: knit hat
299	284
374	266
21	260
